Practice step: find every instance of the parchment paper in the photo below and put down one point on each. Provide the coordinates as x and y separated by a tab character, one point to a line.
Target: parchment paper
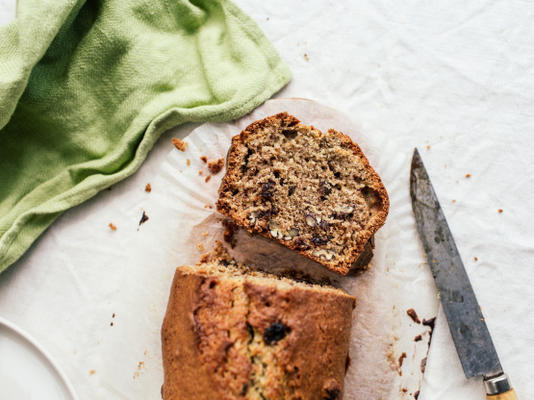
183	224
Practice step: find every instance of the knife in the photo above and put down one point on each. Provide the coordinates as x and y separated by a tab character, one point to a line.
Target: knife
469	331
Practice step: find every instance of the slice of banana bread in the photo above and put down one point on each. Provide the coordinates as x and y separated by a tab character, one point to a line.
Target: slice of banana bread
313	192
233	333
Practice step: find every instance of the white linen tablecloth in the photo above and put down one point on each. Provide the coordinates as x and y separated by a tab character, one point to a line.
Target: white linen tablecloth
453	78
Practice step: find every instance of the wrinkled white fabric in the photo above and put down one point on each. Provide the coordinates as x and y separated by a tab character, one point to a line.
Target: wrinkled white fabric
454	79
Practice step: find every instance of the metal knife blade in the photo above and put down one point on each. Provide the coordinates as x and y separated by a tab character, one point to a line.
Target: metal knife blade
466	322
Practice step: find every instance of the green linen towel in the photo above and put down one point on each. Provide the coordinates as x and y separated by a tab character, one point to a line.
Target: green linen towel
87	87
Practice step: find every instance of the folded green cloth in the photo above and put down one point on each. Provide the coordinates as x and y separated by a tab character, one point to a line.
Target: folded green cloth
87	87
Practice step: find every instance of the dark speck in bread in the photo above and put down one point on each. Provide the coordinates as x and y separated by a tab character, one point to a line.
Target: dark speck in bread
332	394
244	389
275	332
267	190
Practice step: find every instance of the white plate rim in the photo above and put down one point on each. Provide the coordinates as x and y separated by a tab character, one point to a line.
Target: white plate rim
37	347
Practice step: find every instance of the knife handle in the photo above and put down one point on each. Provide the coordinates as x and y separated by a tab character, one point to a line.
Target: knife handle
509	395
499	388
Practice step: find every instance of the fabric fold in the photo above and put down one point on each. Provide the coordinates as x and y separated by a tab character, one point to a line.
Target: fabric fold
101	81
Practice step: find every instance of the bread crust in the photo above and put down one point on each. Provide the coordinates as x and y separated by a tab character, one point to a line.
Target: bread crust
209	352
233	163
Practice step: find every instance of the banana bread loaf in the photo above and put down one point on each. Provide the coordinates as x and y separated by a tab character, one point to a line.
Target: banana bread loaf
314	192
233	333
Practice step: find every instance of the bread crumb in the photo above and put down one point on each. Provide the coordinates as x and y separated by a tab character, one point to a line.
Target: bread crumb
188	162
413	315
179	144
200	247
401	359
392	359
204	159
92	372
139	367
216	166
418	338
306	57
454	201
143	219
113	315
207	178
475	258
204	234
112	226
500	210
204	257
200	173
428	147
423	365
148	188
208	206
468	175
111	323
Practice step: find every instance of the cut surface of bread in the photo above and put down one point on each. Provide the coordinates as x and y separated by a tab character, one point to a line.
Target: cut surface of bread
312	191
232	333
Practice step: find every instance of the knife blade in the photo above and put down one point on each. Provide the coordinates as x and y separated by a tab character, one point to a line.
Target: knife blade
468	329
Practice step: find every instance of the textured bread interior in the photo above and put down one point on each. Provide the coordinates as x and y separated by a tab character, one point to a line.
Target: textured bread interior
314	192
225	278
223	266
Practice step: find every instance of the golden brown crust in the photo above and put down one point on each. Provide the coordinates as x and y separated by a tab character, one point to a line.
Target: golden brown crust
180	345
218	340
377	220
